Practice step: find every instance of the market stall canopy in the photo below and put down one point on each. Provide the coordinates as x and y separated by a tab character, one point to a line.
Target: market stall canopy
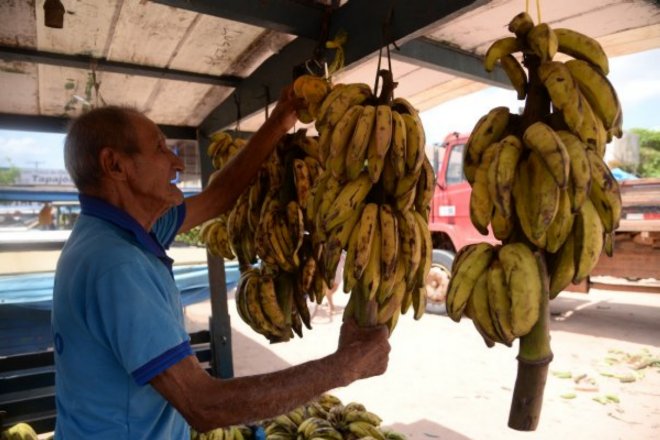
188	63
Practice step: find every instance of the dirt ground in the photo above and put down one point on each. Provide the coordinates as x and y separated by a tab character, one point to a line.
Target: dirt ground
444	383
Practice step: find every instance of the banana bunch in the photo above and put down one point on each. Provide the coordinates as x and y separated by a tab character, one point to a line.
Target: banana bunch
314	90
215	233
498	288
238	432
328	418
372	202
539	181
20	431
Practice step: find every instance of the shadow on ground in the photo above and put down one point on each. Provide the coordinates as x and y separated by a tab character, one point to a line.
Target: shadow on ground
605	318
426	429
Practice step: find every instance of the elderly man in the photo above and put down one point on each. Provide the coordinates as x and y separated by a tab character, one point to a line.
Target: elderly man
124	365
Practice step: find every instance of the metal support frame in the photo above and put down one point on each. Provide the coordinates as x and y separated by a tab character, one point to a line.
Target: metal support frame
433	55
400	23
219	322
102	64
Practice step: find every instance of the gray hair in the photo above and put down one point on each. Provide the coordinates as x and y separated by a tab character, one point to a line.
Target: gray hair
111	126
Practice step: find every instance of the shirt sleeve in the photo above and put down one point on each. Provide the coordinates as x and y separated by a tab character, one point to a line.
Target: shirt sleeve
136	320
168	224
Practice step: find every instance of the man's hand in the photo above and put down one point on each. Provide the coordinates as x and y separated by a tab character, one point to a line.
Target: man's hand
284	113
366	348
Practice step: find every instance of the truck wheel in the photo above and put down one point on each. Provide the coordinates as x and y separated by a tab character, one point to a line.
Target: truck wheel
437	281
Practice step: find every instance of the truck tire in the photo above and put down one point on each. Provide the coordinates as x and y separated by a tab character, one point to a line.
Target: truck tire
437	281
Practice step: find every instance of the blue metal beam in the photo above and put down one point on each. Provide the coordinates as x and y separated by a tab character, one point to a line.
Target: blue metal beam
433	55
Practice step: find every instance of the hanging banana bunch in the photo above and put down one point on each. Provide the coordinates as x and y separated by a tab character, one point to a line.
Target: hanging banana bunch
540	183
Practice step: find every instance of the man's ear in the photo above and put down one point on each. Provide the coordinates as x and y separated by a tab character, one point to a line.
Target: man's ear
112	164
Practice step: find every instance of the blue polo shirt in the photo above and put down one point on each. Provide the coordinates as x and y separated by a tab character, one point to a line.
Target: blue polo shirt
117	323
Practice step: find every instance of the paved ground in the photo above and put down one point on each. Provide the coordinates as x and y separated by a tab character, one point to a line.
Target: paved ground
444	383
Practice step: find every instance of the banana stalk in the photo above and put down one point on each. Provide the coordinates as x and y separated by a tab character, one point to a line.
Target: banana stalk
534	357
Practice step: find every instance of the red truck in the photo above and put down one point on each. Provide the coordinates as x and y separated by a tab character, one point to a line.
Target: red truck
637	241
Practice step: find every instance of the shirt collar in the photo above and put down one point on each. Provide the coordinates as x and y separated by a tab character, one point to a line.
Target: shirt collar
99	208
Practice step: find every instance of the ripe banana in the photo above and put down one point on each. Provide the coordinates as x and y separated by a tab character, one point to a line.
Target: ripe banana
524	279
516	74
543	41
397	152
341	135
588	240
582	47
389	232
367	226
474	260
605	193
379	142
489	129
356	153
415	146
541	138
348	198
500	48
542	210
599	92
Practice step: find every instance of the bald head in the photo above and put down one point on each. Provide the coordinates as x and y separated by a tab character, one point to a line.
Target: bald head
103	127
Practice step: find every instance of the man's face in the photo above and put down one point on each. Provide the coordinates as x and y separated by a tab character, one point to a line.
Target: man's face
153	168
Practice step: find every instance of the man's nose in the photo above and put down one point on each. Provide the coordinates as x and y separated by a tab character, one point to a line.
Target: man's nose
177	162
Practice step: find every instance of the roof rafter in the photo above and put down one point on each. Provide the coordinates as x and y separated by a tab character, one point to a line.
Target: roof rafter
102	64
404	22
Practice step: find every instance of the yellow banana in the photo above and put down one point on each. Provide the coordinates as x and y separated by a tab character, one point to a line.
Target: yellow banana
426	249
481	203
415	146
502	226
561	86
582	47
502	172
371	277
348	198
348	96
341	135
580	174
522	197
500	48
389	232
367	227
379	142
269	305
302	181
516	74
397	153
478	311
562	267
521	24
410	246
541	138
588	240
475	258
499	302
599	92
542	208
337	241
561	226
524	279
425	187
489	129
356	153
543	41
605	192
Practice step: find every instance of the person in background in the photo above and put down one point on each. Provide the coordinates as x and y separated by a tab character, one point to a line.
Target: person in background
45	219
124	365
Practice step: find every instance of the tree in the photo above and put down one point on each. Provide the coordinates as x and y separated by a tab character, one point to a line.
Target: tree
649	152
8	175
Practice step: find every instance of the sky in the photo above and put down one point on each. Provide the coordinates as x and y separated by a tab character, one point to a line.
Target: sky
635	77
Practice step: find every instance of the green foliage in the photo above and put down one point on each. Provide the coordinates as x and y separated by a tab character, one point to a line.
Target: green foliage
8	175
649	153
190	238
